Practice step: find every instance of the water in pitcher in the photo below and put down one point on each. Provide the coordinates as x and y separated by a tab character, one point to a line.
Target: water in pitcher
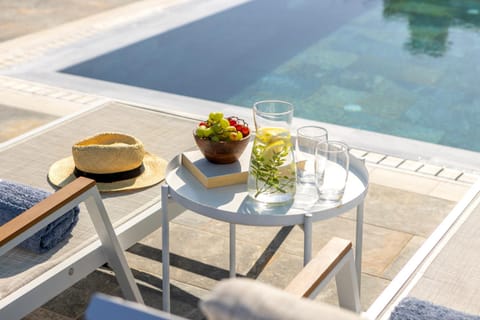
272	174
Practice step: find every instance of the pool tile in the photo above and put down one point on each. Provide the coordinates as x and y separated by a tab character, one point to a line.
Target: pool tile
410	165
430	169
391	161
421	75
72	97
388	99
59	94
400	180
358	153
450	191
374	157
469	177
448	173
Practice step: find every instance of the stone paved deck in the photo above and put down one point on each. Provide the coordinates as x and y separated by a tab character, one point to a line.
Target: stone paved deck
402	209
199	249
19	18
406	201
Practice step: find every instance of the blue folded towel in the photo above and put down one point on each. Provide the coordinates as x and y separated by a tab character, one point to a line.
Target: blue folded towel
414	309
15	198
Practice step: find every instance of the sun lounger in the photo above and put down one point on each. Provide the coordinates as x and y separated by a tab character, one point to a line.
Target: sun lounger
241	298
28	281
442	279
14	232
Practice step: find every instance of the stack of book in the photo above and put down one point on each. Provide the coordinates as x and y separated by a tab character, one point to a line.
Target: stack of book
213	175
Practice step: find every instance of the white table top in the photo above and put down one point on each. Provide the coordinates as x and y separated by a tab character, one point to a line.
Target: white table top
232	203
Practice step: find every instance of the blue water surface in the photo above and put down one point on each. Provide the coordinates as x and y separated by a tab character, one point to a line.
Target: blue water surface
407	68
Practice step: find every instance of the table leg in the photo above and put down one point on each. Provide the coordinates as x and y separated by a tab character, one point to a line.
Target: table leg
165	250
232	251
307	238
359	243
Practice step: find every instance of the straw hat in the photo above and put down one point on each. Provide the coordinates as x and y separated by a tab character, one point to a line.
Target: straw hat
115	161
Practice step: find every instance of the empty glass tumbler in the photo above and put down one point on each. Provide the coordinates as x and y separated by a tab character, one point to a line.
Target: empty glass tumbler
272	171
307	139
332	166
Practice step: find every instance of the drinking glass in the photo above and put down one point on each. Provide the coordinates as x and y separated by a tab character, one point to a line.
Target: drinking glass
272	171
332	165
307	139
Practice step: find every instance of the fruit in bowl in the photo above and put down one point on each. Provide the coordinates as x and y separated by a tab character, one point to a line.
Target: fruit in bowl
222	140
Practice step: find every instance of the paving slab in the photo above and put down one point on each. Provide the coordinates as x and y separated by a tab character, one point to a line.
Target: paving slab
19	18
404	211
15	121
401	209
407	252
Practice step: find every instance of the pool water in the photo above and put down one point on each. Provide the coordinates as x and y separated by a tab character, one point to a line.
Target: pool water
407	68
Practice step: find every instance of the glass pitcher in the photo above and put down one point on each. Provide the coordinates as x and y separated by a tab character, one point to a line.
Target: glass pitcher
272	171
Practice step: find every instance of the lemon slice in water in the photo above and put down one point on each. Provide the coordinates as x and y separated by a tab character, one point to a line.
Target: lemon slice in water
268	135
272	149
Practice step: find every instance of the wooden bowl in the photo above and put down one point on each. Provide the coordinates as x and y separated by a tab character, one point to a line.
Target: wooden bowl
222	152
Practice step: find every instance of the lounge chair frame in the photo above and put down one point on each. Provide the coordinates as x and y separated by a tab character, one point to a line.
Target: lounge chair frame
335	259
106	250
141	216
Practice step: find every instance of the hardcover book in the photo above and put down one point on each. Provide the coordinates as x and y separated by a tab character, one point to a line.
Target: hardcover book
213	175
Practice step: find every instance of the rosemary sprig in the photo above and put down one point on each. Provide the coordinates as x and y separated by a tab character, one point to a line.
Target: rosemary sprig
268	173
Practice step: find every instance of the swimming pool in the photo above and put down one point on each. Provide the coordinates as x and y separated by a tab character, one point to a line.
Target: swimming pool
406	68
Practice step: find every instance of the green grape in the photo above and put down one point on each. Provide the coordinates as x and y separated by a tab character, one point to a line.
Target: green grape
201	131
217	128
208	132
215	116
235	136
224	123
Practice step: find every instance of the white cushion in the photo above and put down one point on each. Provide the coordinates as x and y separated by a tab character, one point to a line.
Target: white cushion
240	299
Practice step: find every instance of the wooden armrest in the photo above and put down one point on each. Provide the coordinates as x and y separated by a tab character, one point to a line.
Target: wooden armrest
319	267
43	209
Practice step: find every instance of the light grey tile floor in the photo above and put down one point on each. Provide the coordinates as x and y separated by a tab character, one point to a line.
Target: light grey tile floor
402	209
199	247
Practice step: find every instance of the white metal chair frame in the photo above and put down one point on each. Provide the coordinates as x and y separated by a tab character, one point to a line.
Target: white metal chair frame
68	272
334	260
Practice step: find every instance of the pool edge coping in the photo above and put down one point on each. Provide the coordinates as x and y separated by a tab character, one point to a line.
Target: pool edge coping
374	158
21	51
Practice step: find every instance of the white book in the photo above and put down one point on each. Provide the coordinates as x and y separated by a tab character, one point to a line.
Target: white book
213	175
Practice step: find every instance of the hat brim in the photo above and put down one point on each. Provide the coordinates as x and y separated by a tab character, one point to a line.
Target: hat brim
61	173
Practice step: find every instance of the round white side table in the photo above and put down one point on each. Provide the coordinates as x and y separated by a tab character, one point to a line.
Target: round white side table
233	205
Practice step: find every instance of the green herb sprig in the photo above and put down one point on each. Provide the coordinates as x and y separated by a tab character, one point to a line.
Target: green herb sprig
268	171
